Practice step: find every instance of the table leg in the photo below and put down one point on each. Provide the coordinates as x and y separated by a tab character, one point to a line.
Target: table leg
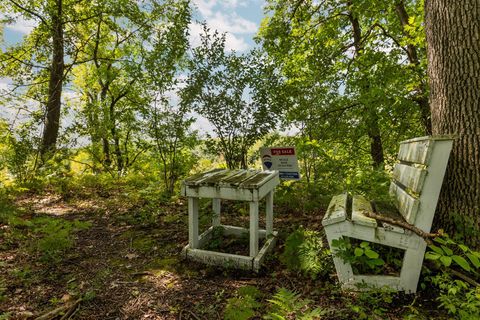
253	228
216	204
269	212
193	222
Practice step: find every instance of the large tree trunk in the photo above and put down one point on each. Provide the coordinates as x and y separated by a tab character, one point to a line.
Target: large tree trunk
453	39
52	119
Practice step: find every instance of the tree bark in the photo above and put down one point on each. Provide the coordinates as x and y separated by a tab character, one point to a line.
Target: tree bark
55	84
453	39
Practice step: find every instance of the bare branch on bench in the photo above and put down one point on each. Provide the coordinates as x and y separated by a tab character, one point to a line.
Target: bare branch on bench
425	235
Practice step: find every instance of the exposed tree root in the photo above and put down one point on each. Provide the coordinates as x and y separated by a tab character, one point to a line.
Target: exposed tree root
67	310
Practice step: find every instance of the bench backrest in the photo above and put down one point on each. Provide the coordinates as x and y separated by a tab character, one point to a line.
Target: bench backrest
418	177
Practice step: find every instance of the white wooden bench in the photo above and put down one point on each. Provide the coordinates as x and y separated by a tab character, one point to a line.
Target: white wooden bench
417	180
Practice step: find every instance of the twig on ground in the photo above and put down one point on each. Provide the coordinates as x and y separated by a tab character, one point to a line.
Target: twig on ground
67	309
193	315
464	277
143	273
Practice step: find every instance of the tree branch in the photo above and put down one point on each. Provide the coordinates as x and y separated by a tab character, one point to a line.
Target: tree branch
29	11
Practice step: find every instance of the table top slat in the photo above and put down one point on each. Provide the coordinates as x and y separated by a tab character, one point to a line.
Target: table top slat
230	178
216	178
238	179
258	179
199	178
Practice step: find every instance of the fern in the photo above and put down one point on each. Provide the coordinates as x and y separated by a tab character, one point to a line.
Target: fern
305	252
244	305
286	304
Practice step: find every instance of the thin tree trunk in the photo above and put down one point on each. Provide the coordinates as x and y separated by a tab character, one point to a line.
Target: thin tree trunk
421	97
116	139
453	51
370	117
376	146
55	84
106	152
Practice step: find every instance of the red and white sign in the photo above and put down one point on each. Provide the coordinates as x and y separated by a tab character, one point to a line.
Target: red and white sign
283	159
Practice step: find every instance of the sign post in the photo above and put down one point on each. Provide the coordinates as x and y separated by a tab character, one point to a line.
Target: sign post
283	159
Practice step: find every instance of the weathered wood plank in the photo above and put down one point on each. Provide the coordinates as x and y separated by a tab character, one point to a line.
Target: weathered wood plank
222	193
214	179
197	179
253	228
267	247
337	210
410	177
233	174
197	176
240	232
416	152
238	178
447	137
367	282
217	208
360	205
269	212
220	258
267	186
193	222
257	180
406	204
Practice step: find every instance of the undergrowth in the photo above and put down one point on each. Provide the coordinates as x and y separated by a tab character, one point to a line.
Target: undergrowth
306	253
284	304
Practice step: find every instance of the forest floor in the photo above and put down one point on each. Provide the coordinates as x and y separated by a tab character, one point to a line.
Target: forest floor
127	265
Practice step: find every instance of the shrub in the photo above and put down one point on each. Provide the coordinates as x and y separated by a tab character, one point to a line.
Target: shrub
458	277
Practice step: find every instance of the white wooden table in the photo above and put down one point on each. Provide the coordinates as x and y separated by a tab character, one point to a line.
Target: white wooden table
243	185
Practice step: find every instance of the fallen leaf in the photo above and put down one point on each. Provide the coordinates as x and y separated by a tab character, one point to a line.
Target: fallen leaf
131	256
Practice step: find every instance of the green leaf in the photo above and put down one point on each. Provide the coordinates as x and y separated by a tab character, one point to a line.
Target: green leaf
377	262
364	244
463	247
446	260
440	240
358	252
462	262
447	250
371	254
432	255
474	259
436	249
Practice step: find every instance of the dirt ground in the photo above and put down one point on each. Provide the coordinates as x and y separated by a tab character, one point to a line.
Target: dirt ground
122	268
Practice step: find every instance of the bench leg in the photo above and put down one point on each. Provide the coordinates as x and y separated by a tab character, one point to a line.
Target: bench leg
269	213
253	228
412	267
216	206
193	222
344	270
